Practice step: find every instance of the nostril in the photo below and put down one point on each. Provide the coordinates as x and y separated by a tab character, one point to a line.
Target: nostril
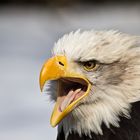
61	63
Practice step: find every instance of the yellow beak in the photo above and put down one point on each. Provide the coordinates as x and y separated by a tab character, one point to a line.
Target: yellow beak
53	69
56	68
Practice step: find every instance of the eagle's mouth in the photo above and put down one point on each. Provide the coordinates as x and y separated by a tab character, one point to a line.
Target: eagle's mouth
70	90
72	87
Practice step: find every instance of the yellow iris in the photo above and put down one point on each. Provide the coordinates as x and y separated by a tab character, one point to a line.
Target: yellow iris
89	65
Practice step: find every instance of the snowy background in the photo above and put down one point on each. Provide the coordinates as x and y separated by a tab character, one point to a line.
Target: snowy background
27	35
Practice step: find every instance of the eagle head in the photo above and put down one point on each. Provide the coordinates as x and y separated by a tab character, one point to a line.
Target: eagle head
93	77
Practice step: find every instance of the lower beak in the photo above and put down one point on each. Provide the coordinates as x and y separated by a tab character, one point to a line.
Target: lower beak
56	68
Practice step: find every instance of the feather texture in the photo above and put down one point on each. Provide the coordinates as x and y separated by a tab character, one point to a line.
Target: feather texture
129	129
115	84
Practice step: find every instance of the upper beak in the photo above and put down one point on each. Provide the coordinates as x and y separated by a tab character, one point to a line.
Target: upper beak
55	68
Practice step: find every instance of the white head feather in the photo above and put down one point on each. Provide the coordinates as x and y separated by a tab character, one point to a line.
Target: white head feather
115	85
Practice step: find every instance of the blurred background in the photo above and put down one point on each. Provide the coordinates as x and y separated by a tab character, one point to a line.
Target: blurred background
28	30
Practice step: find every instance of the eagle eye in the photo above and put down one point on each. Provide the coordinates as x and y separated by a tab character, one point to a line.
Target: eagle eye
89	65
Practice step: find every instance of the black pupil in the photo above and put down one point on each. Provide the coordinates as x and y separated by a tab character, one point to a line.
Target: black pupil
89	64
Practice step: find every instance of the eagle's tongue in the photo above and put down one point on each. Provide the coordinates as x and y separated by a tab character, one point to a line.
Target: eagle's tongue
71	96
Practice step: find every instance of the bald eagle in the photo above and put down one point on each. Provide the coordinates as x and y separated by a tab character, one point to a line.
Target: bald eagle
94	79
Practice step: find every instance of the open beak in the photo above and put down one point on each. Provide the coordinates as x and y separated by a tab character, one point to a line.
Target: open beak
72	87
